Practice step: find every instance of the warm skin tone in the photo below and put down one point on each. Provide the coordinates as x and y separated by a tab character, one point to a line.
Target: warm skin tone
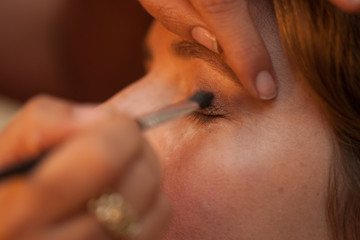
222	19
93	152
260	171
30	31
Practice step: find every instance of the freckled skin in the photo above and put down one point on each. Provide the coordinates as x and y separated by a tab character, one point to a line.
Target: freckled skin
260	174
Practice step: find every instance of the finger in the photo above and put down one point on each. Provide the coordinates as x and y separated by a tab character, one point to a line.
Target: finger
178	16
43	122
244	48
153	225
141	183
347	5
17	212
82	227
86	165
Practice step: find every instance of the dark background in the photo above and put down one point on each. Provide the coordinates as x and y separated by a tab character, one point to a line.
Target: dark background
96	50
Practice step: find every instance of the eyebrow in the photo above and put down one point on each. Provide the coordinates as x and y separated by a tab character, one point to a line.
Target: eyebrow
187	49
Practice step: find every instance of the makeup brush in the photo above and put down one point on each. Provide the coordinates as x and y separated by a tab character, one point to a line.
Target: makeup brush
200	100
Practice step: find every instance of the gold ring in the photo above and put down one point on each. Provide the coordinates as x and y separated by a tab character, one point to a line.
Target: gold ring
115	215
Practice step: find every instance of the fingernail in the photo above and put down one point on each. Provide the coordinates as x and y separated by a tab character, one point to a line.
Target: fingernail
207	39
265	86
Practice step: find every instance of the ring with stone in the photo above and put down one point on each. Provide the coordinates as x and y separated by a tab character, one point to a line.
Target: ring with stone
115	215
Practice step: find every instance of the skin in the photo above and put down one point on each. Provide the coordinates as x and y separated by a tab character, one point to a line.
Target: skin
222	19
92	151
36	58
260	172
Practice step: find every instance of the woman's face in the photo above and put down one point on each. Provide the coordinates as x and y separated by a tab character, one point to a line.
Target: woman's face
244	169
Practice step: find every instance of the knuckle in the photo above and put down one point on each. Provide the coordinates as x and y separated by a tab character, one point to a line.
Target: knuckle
217	6
40	101
45	104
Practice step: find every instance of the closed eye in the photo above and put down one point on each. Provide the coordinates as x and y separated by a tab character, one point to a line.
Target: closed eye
202	118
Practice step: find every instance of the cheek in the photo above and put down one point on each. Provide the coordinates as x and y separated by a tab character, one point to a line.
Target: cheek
240	178
194	177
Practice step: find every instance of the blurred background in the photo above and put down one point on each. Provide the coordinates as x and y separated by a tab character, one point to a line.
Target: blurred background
83	50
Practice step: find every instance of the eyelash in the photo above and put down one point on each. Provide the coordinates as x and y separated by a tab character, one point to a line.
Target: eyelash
204	118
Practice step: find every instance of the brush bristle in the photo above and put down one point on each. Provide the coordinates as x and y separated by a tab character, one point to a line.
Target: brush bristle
203	98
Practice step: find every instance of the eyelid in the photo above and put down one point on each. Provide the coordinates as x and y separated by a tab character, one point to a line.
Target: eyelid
212	110
210	114
202	118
